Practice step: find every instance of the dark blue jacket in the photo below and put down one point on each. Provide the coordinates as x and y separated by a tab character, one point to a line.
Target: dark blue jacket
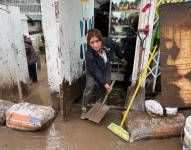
95	66
94	62
112	47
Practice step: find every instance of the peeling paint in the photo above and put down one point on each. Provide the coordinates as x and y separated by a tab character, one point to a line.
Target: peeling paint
70	38
63	40
51	43
13	63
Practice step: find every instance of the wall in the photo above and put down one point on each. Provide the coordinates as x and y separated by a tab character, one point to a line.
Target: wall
71	37
61	26
65	25
13	63
51	36
73	30
25	24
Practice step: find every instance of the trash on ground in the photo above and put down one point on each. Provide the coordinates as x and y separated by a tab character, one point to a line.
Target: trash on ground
170	111
142	126
29	117
4	105
154	107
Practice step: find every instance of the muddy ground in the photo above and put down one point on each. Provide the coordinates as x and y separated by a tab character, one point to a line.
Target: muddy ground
74	134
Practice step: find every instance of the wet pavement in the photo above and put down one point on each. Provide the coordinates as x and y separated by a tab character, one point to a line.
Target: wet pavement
74	134
77	134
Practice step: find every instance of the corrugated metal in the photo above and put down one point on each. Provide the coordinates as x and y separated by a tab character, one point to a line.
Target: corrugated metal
175	22
26	6
36	17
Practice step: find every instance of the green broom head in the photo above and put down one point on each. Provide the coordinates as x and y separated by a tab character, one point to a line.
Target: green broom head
118	130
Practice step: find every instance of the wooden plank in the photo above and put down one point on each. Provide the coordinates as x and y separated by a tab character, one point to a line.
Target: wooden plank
176	54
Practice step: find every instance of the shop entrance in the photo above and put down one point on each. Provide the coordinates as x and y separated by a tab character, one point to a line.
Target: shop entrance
118	20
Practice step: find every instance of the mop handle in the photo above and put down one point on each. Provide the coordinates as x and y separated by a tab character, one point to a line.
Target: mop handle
138	86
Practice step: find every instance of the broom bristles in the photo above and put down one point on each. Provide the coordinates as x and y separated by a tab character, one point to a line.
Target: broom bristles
118	130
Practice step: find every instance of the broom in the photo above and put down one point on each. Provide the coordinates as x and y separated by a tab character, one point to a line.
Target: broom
118	129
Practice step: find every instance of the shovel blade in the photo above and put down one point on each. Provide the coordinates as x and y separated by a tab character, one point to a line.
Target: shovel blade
97	112
139	101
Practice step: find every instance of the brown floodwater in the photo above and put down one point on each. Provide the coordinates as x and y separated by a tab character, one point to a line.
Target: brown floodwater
74	134
77	134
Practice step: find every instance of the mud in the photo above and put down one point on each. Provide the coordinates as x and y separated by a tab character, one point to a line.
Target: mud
71	93
74	134
39	90
77	134
9	92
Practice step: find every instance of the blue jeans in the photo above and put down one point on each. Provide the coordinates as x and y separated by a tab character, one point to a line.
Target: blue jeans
90	83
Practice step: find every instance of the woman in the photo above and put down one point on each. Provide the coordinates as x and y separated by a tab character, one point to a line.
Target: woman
98	68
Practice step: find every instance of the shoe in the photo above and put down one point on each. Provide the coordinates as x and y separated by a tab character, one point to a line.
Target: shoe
131	5
114	20
134	6
121	21
116	6
126	21
126	5
83	114
121	4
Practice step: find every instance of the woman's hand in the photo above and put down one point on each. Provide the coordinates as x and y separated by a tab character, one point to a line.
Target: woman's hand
108	87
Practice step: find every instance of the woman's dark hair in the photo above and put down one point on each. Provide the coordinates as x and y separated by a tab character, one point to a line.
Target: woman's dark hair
94	32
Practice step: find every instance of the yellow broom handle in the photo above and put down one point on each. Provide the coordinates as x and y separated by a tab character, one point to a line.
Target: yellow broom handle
138	86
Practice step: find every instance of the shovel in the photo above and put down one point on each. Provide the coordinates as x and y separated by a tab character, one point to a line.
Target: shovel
139	101
98	111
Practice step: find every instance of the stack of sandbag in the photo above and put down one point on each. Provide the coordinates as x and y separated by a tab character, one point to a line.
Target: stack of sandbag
29	117
142	125
4	105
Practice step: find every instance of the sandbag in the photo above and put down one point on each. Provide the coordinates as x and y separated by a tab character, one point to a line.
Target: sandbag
4	105
142	126
153	107
29	117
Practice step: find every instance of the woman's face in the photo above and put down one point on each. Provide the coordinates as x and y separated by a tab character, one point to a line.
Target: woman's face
95	43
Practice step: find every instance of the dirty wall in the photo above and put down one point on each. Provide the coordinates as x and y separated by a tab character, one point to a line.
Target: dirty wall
61	26
13	63
50	29
65	26
24	24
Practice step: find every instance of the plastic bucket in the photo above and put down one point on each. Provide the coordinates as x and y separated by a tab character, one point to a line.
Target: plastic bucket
187	133
188	124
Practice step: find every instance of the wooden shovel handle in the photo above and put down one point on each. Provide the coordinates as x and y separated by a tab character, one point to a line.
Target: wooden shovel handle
113	82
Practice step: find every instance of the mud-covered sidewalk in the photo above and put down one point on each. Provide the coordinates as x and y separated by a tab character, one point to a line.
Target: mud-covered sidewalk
77	134
74	134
